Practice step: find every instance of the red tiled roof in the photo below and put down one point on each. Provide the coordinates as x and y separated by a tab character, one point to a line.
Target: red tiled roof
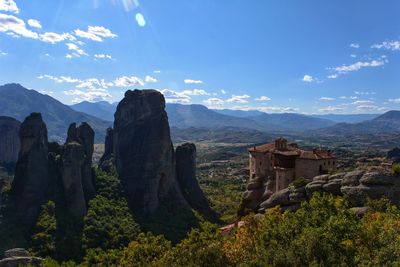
293	151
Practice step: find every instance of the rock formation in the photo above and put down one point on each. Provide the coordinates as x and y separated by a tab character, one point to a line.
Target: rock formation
9	140
106	161
144	155
186	174
19	257
357	186
31	177
77	168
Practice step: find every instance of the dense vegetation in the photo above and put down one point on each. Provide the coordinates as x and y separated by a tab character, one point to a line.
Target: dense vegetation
323	232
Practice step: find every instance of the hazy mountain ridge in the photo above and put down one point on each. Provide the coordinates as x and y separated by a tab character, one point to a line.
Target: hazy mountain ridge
388	122
18	102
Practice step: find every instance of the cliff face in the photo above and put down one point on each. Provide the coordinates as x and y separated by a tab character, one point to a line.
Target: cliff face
144	155
31	177
77	168
186	174
106	161
9	140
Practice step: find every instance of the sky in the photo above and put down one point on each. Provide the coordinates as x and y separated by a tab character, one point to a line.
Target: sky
307	56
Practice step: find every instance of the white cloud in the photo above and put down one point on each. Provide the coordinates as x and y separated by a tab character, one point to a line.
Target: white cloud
214	103
330	109
327	98
223	92
9	6
367	108
355	45
15	26
94	84
140	20
333	76
308	78
263	98
126	81
150	79
77	51
3	53
276	109
103	56
95	33
34	23
91	95
353	56
195	92
238	99
391	45
157	71
52	37
362	102
175	97
359	65
190	81
395	100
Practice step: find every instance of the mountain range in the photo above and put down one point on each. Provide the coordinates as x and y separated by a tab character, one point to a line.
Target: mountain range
18	102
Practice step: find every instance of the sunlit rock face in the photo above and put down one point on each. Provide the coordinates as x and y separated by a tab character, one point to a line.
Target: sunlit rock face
144	154
31	177
9	140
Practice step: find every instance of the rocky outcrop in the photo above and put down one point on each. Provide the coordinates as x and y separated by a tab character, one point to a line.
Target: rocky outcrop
185	157
357	186
143	151
77	168
106	161
9	140
31	177
19	257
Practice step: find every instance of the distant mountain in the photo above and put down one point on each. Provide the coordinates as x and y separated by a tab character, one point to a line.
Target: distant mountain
18	102
199	116
220	135
348	118
293	121
101	109
239	113
388	122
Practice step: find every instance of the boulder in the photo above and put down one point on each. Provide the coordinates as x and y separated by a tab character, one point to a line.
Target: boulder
185	156
352	178
31	174
143	151
280	198
19	257
9	140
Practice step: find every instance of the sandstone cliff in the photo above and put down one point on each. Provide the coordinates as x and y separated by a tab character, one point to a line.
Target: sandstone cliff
31	177
77	174
144	155
9	140
186	175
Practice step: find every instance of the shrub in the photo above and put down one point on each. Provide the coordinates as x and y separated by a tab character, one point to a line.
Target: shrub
396	168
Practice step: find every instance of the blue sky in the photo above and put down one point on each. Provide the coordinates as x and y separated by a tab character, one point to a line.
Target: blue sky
308	56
